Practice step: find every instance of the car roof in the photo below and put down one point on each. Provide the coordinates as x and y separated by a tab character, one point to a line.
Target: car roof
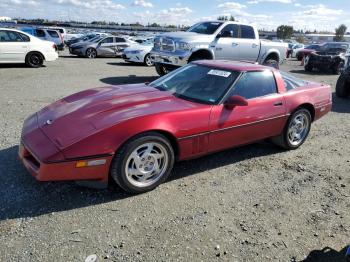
240	66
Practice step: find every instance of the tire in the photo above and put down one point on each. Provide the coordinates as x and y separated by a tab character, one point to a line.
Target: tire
161	69
284	140
336	69
308	68
34	60
272	63
131	156
91	53
148	61
342	89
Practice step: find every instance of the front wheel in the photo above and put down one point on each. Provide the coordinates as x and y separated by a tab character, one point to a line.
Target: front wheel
143	163
161	69
34	60
342	89
296	130
91	53
148	61
272	63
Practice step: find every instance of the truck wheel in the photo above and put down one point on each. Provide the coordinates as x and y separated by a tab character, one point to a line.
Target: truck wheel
272	63
337	68
34	60
161	69
342	89
308	68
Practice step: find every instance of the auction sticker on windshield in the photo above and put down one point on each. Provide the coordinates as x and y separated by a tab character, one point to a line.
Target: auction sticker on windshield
219	73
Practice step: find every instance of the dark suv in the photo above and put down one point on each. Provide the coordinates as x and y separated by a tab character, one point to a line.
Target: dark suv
343	83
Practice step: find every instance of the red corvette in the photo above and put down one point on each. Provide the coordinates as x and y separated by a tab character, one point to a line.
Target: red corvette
135	133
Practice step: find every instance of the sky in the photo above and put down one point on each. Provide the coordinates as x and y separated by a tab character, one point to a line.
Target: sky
321	15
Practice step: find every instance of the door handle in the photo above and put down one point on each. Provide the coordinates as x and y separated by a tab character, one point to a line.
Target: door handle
255	45
218	49
278	103
234	44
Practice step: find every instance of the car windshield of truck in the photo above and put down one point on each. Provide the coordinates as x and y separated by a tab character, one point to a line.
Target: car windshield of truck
207	28
196	83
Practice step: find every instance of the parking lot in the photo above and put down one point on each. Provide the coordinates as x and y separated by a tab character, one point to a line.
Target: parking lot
254	203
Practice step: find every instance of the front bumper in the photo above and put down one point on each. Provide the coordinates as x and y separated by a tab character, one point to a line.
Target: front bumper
76	51
64	170
136	58
175	59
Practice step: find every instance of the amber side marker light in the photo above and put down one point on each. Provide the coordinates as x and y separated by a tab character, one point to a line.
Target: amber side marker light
87	163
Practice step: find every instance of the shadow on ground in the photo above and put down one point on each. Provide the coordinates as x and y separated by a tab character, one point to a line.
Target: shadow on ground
340	105
19	66
326	255
130	79
22	196
127	64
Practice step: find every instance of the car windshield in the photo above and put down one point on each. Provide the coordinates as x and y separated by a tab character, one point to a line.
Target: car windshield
207	28
197	83
333	46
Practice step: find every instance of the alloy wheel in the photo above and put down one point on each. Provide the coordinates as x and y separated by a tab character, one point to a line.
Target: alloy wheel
146	164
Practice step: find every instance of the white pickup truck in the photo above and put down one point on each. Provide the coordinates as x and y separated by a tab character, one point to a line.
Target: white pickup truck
215	40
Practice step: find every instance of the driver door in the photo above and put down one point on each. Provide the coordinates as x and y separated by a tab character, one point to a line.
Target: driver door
106	47
263	117
225	45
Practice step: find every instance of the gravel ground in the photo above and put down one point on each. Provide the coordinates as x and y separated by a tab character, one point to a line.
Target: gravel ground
254	203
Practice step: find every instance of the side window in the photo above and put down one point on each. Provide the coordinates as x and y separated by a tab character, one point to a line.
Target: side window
255	84
247	32
10	36
40	33
107	40
119	40
4	37
230	31
24	37
53	33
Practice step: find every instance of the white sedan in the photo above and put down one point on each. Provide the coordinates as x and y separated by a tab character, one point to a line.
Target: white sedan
296	49
139	53
19	47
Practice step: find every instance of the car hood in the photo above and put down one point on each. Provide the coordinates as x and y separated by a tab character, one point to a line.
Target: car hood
188	37
80	115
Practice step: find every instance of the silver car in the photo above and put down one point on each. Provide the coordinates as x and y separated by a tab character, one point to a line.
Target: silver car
110	46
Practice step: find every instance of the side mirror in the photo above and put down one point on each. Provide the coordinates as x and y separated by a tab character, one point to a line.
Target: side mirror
234	101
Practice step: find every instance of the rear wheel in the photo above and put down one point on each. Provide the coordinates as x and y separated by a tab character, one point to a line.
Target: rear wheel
143	163
91	53
296	130
272	63
148	61
34	60
343	86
